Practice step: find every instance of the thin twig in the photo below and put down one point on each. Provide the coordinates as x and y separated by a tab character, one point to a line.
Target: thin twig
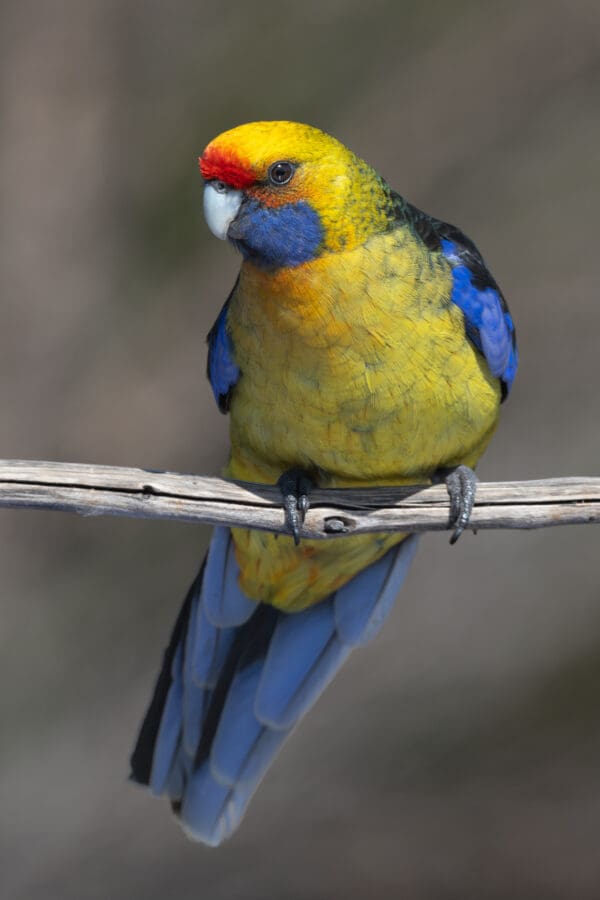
139	493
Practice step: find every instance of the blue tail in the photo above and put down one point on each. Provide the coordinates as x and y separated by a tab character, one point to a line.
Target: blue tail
237	676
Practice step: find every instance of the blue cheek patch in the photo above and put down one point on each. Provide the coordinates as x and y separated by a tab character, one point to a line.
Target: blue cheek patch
222	371
273	237
488	323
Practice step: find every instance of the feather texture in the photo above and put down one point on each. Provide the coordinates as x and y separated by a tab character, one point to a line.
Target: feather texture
240	676
364	342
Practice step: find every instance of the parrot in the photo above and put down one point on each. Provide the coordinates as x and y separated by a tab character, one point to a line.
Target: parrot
364	343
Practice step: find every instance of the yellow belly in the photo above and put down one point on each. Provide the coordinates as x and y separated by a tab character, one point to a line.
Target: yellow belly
355	367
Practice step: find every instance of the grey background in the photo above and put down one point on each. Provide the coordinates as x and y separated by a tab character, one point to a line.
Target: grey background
458	755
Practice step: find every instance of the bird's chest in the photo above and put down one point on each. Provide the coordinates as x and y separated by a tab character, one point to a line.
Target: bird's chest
355	375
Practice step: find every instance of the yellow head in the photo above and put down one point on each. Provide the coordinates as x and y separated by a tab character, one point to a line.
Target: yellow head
285	193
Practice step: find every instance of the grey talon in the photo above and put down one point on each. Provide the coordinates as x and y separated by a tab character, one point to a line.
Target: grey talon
295	485
461	484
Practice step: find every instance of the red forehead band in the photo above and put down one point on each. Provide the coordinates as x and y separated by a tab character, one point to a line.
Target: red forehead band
223	166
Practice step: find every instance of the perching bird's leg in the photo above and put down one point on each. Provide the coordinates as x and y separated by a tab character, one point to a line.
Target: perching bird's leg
295	485
461	484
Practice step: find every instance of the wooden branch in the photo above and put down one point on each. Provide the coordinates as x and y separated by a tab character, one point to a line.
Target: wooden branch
139	493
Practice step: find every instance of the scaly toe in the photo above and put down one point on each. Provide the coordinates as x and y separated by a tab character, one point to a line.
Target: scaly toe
461	484
295	485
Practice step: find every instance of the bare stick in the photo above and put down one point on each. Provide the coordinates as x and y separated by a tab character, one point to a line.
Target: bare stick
115	491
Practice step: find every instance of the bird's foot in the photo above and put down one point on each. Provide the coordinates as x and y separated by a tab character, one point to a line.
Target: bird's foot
461	484
295	486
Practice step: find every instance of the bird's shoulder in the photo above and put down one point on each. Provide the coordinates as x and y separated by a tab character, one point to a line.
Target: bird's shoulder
488	322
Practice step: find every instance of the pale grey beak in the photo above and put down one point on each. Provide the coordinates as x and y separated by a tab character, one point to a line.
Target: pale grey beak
221	206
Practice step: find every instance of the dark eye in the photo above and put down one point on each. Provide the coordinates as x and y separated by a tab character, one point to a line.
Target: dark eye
281	172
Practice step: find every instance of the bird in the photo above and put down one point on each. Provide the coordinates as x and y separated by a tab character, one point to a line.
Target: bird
364	343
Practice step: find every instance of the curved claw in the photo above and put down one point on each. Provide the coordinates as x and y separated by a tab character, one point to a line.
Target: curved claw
295	485
461	484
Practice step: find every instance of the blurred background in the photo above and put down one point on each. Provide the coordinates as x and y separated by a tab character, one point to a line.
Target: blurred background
458	756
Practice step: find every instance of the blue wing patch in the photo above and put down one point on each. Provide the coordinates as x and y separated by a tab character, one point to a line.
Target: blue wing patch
222	370
488	323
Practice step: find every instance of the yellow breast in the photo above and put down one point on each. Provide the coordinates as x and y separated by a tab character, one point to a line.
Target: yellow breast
354	366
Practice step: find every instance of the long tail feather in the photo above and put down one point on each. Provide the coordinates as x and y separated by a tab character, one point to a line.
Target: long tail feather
237	677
